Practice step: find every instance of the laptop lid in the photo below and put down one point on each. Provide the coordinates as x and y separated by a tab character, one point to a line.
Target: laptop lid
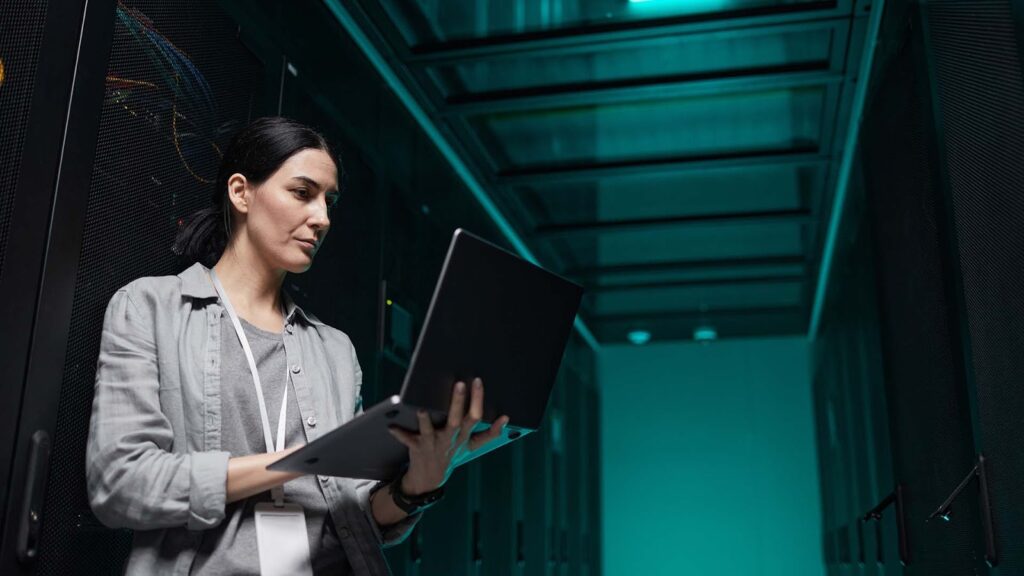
495	316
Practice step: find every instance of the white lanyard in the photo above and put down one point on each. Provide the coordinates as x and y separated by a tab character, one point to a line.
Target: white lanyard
278	491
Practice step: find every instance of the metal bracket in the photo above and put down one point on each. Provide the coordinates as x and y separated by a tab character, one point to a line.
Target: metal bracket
894	497
945	509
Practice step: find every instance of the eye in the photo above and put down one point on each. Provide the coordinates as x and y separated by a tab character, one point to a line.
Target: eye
302	192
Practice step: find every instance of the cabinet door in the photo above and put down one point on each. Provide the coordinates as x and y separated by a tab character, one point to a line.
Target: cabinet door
448	528
498	503
538	516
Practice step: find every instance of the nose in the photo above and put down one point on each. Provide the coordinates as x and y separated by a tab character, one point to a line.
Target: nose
320	220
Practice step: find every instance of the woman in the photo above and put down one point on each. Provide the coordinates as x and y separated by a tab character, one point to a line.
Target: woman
192	369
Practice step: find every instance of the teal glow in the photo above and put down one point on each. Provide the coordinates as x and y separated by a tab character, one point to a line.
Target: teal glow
384	69
639	337
677	7
705	334
852	134
708	459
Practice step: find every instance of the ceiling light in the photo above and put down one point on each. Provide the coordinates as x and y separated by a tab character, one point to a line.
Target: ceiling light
705	334
639	337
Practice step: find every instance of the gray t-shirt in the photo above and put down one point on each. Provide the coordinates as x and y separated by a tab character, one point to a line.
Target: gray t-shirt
230	547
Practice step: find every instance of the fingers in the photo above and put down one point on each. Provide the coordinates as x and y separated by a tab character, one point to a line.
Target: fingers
478	440
407	439
458	406
476	403
476	411
426	428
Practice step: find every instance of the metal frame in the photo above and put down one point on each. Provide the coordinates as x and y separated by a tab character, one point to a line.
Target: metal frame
846	165
593	272
69	95
726	281
767	218
638	90
696	315
680	165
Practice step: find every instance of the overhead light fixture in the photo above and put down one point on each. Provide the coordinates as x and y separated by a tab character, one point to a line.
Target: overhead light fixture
705	334
639	337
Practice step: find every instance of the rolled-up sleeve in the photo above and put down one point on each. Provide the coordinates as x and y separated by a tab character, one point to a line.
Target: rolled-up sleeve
133	479
392	534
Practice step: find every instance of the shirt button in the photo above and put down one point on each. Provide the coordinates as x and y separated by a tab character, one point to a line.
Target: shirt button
343	532
288	329
311	421
296	368
324	480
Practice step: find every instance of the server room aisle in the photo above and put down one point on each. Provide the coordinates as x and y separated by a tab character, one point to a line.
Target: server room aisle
797	224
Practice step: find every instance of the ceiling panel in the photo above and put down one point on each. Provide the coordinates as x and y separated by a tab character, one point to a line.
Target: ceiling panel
658	59
772	120
441	21
673	156
693	193
685	243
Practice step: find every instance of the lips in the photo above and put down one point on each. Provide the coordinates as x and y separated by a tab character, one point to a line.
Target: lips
308	243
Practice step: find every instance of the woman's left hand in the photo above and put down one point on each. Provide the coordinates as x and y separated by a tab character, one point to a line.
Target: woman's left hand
433	453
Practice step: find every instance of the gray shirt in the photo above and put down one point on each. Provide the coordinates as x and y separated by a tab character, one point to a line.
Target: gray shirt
155	462
231	547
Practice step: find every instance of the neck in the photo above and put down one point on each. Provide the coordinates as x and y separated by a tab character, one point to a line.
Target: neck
253	287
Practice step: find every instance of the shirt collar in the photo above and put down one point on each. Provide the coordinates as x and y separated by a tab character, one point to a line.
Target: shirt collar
195	283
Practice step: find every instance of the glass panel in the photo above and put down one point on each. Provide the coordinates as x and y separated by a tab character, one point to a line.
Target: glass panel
680	127
663	195
677	299
684	243
433	21
671	58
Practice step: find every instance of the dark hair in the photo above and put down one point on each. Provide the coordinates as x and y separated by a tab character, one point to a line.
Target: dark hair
256	152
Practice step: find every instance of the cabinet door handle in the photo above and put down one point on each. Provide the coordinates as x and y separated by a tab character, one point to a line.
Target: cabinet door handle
35	494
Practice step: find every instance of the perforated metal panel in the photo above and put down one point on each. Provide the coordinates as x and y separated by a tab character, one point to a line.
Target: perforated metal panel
20	38
179	84
981	92
929	412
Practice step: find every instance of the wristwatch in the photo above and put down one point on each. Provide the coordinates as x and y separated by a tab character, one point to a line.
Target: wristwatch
413	504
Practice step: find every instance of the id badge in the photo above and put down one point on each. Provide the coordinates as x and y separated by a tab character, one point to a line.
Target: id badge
282	539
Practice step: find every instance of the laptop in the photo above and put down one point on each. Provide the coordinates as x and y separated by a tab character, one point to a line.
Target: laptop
493	315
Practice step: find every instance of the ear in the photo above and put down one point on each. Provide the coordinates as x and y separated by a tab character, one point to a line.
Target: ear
239	192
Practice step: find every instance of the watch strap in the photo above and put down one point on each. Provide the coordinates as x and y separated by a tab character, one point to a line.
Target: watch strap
411	504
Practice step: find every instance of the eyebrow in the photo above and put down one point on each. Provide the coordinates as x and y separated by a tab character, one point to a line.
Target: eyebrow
314	183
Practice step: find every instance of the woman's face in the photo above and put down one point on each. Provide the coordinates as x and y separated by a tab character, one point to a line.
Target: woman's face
286	218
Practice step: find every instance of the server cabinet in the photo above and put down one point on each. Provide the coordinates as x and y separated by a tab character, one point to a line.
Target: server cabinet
591	513
538	516
498	512
930	416
36	69
978	106
138	159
